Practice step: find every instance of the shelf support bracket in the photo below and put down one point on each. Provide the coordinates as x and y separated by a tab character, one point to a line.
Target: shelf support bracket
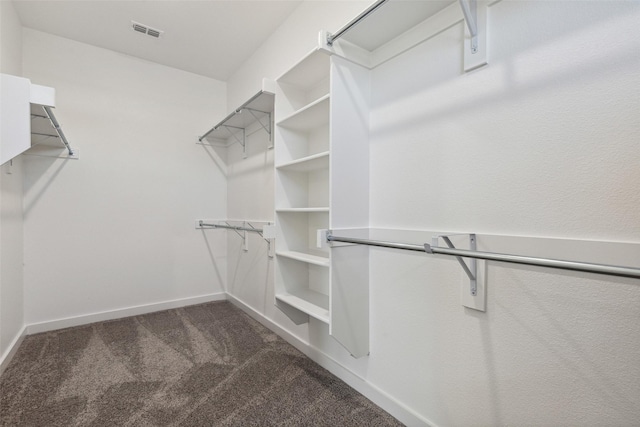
242	141
243	236
268	128
471	270
266	239
475	17
470	11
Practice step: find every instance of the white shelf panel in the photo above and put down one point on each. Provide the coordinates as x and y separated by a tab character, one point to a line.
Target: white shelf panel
304	210
310	71
307	164
262	105
312	303
304	257
310	116
392	20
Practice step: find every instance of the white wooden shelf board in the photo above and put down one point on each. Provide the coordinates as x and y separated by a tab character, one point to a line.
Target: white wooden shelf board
392	20
307	164
304	257
310	71
310	116
312	303
303	210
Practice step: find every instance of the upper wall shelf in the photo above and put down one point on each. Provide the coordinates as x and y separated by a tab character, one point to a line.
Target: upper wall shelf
258	109
28	122
390	19
388	28
45	129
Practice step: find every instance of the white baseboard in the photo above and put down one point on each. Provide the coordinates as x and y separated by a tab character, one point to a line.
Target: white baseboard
6	357
385	401
85	319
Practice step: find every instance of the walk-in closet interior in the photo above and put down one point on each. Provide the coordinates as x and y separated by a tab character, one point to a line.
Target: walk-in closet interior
436	201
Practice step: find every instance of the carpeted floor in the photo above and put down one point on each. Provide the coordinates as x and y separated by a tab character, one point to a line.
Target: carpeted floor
204	365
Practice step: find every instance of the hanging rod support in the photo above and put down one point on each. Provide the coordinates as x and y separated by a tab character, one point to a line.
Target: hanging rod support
242	142
58	129
266	129
231	227
609	270
472	269
470	11
236	111
355	21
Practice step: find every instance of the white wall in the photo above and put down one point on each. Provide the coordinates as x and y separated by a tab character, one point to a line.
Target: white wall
11	239
542	142
115	229
296	37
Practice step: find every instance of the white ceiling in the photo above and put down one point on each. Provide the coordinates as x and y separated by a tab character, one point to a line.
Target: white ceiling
208	37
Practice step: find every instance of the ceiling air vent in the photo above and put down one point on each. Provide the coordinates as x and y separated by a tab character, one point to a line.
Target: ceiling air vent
141	28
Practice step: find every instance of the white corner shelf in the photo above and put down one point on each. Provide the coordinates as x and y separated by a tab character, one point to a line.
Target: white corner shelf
310	116
304	210
321	145
28	123
310	302
309	72
307	164
322	261
256	112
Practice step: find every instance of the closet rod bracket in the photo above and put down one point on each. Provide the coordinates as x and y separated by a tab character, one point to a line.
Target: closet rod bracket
469	9
471	270
268	128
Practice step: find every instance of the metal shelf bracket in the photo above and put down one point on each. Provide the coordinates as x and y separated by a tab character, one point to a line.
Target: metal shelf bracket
267	232
471	270
475	17
242	141
470	11
267	128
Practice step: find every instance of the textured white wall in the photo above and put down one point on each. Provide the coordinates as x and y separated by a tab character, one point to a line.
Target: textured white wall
115	229
11	240
542	142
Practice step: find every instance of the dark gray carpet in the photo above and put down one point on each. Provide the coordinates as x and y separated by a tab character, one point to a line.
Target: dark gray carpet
204	365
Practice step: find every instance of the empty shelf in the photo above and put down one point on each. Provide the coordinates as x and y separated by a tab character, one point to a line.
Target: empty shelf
319	209
305	257
311	116
307	164
312	303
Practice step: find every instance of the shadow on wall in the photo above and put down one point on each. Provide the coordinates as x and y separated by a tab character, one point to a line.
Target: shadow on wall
542	320
217	154
212	257
40	167
518	76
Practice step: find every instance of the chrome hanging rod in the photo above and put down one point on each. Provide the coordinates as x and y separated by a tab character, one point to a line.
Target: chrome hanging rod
236	111
231	227
58	129
333	37
610	270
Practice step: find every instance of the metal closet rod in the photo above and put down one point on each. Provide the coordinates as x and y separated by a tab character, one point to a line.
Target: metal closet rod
231	227
355	21
58	129
236	111
610	270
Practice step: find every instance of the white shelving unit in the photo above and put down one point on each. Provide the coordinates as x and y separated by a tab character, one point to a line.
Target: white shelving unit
321	144
28	123
255	113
